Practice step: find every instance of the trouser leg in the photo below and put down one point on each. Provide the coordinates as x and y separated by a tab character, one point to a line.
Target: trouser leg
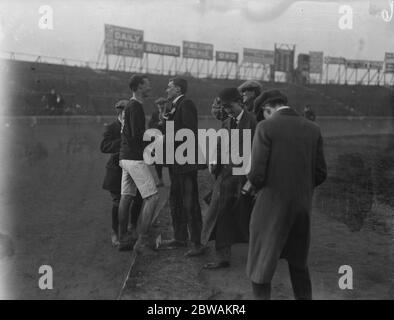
210	216
191	207
261	291
115	208
301	282
115	220
159	171
179	221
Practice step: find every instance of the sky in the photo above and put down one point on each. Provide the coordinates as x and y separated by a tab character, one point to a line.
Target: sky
228	24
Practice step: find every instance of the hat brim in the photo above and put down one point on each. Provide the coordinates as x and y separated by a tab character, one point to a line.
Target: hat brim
270	100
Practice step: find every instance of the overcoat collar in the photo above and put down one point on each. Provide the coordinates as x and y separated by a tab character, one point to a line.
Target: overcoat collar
177	100
287	112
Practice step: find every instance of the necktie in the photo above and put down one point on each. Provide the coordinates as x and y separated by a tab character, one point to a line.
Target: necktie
233	123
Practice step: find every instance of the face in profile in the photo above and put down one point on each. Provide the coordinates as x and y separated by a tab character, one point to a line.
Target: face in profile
172	91
248	95
145	88
232	108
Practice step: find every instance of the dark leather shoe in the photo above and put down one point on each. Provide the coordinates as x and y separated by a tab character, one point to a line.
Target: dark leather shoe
195	251
172	244
125	246
217	265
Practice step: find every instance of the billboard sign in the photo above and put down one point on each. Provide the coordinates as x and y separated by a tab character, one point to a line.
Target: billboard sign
335	60
303	62
227	56
389	67
316	62
197	50
376	65
124	41
389	62
162	49
389	57
284	60
259	56
357	64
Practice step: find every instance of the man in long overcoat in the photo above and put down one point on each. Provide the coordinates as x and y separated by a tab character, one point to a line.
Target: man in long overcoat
226	231
287	164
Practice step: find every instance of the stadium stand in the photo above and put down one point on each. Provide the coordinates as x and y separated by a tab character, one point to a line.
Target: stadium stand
94	92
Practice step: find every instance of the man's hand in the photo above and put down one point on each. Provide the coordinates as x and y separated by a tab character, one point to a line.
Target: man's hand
212	168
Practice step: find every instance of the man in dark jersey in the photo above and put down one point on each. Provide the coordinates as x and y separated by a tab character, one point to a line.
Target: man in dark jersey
135	173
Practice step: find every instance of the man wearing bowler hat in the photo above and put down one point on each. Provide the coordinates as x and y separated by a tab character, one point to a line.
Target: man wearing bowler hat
287	164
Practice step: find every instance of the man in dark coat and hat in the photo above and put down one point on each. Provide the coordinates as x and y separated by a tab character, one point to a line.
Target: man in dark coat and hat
250	90
184	201
287	164
113	175
225	231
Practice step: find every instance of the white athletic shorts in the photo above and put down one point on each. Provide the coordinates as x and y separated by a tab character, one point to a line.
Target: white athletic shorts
136	175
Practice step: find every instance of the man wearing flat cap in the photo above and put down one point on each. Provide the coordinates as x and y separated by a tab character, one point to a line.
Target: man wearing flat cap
287	164
250	90
113	176
222	224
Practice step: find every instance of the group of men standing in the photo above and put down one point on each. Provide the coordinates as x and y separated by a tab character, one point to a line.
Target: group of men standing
138	189
274	197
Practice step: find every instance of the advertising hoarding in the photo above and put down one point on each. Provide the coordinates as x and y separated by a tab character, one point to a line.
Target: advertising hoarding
123	41
197	50
258	56
227	56
162	49
316	62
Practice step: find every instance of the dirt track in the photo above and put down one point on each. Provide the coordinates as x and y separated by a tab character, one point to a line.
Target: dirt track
169	275
54	212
